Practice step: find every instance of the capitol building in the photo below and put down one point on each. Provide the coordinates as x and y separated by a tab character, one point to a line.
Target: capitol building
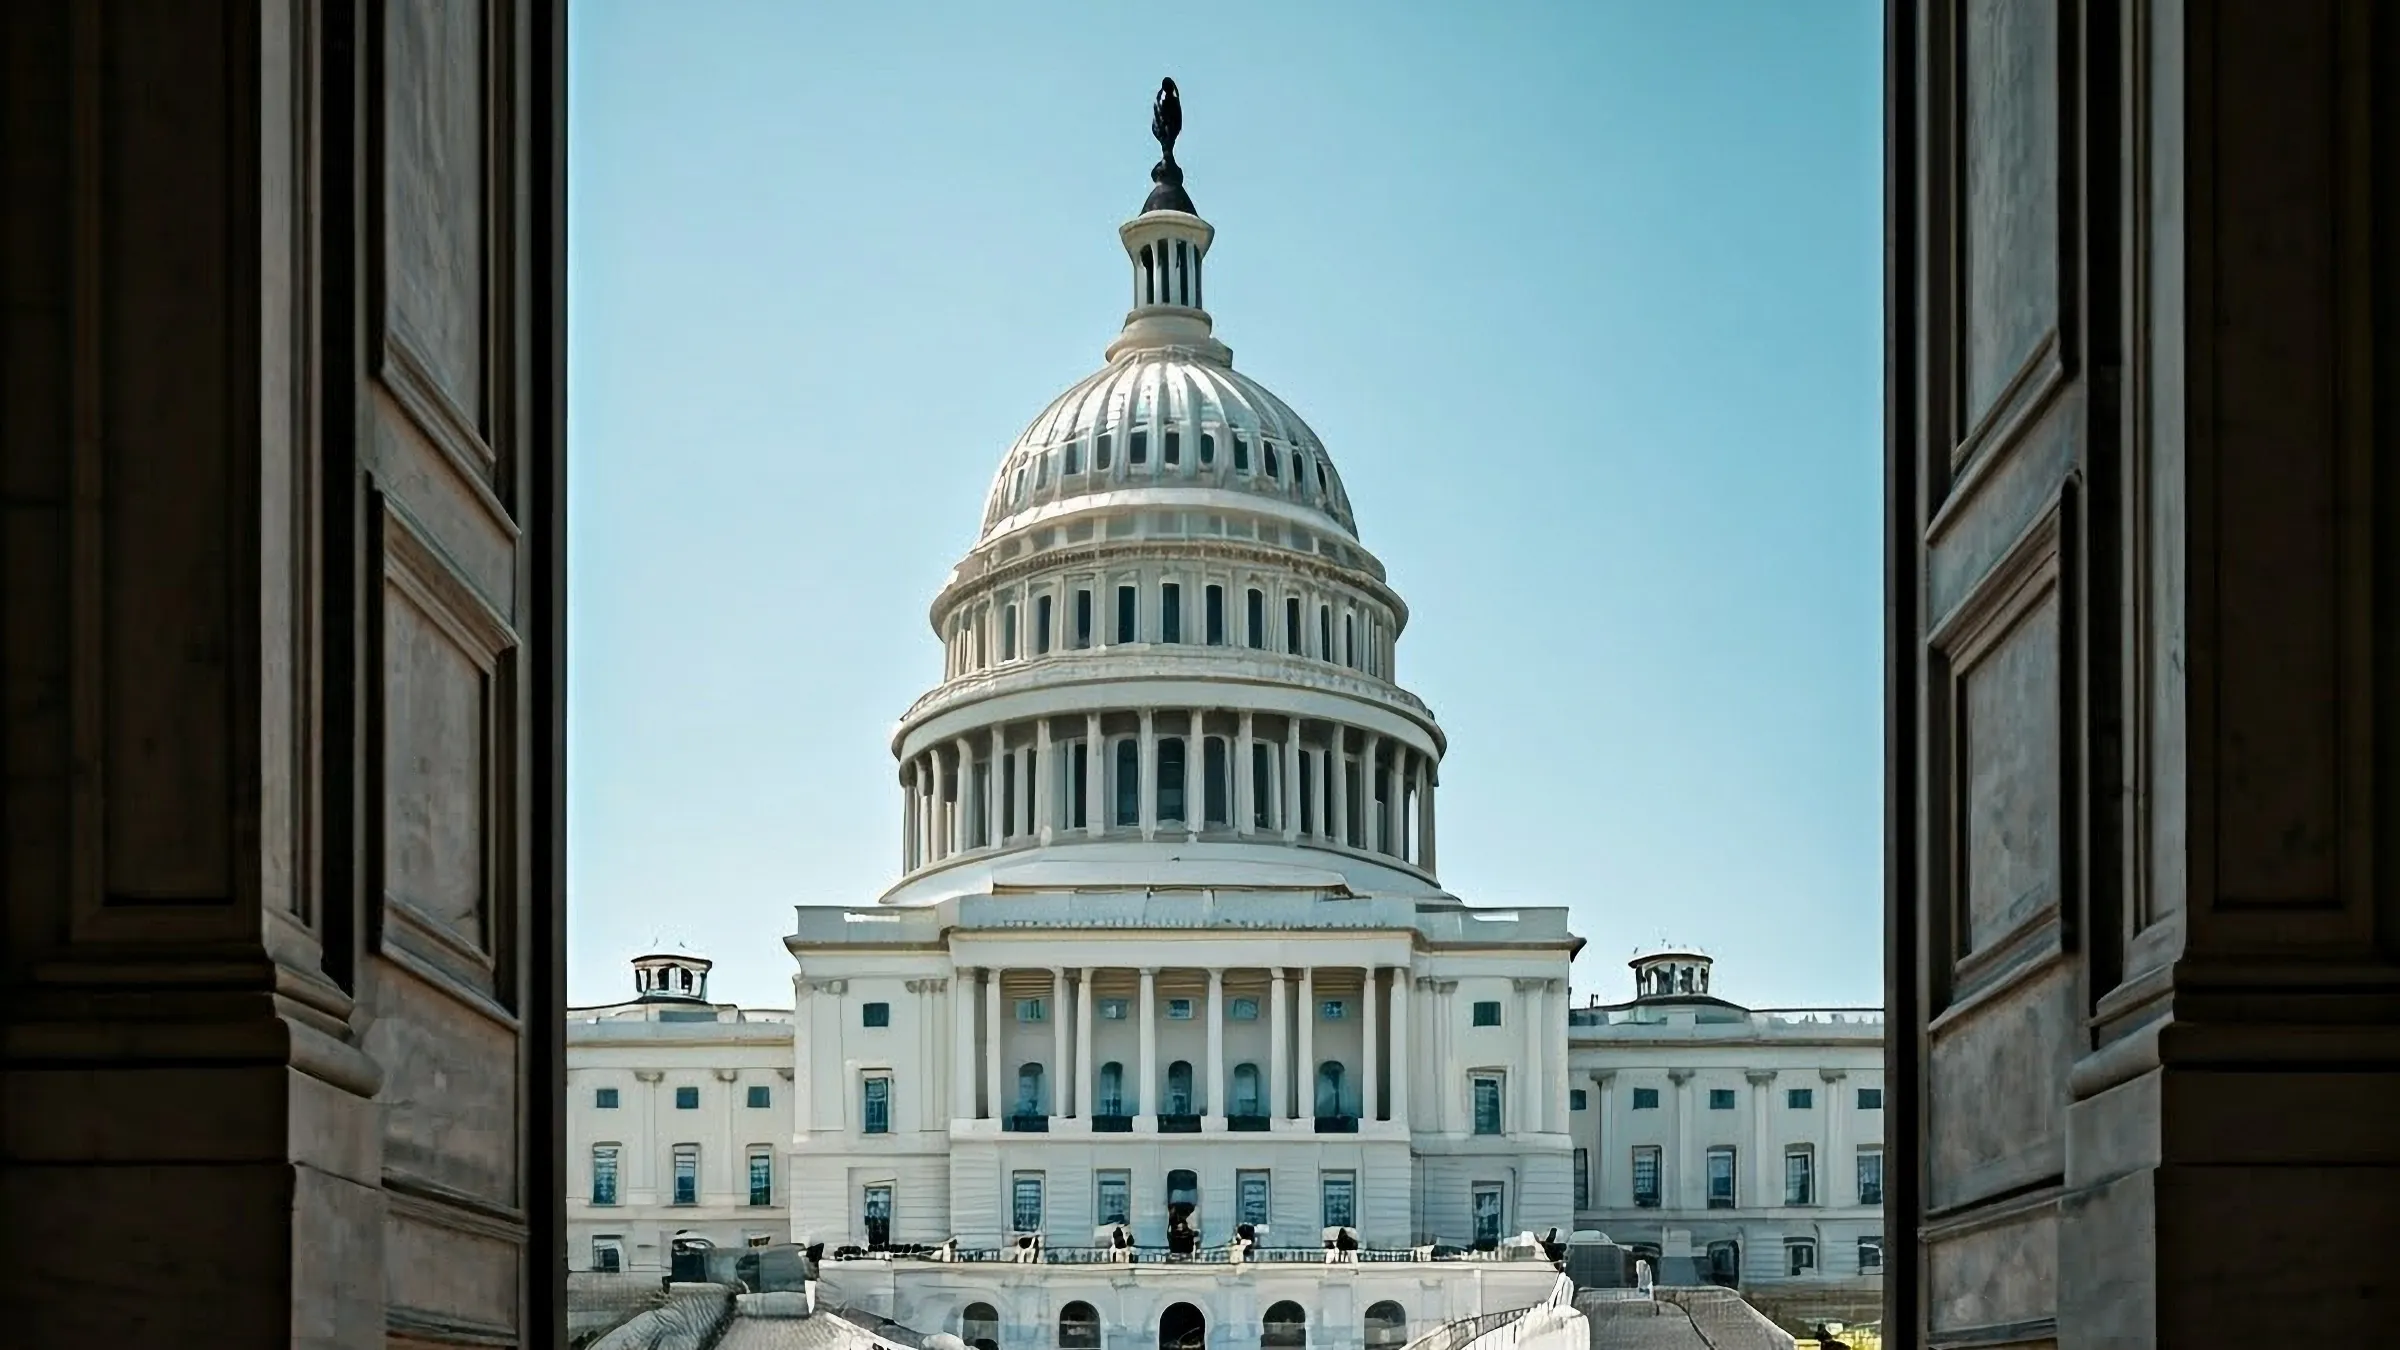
1168	996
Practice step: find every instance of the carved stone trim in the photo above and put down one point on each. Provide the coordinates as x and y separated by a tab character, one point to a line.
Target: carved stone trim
728	1075
1833	1075
1679	1077
650	1075
1760	1077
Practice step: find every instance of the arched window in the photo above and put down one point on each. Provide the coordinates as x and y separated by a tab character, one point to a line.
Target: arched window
1245	1091
1183	273
1182	1327
1329	1088
1213	780
1170	779
1112	1090
1179	1088
1286	1324
1129	783
1029	1090
1149	280
1386	1324
979	1326
1078	1327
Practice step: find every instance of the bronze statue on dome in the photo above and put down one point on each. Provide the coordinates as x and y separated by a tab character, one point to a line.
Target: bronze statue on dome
1166	123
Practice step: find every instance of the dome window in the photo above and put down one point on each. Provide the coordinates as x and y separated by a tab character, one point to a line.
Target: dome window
1008	633
1070	459
1241	453
1274	460
1171	453
1255	614
1215	616
1101	457
1137	446
1208	449
1170	612
1041	471
1041	625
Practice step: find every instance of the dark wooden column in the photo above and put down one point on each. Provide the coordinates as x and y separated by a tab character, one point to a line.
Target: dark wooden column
2144	946
281	606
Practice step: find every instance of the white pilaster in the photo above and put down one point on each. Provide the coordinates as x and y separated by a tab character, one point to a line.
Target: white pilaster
1279	1054
1685	1185
1058	1041
1837	1176
995	792
962	814
1245	804
963	1051
1147	791
1045	785
1402	978
1337	771
994	1105
1370	1070
1195	775
1291	783
1095	777
1145	1103
1308	1044
1370	824
1216	1044
1083	1043
1768	1167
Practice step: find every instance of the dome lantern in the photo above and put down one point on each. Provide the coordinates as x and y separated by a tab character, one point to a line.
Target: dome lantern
1167	244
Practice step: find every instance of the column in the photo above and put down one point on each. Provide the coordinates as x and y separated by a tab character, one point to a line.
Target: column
1045	790
1058	1041
1767	1169
1095	777
1837	1175
1021	817
1683	1182
1604	1105
1291	780
962	1053
1216	1043
908	817
1148	788
1279	1053
962	813
1245	804
1337	774
1305	1103
1083	1043
1145	1104
995	792
1402	978
994	1105
1195	775
1395	801
1371	1071
1370	824
1432	789
1526	1118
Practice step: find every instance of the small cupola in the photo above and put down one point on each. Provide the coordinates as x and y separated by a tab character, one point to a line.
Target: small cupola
1167	244
1670	973
678	977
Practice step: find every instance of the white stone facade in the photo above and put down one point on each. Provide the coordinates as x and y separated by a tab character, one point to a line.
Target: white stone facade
1755	1135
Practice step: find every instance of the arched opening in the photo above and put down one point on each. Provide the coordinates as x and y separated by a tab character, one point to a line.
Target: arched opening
1183	1212
1179	1089
1129	783
1246	1101
1286	1324
1111	1092
1148	285
1329	1089
1386	1325
1029	1090
1170	780
1181	1327
979	1326
1078	1327
1725	1263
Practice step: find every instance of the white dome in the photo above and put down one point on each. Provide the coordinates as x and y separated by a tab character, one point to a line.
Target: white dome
1164	419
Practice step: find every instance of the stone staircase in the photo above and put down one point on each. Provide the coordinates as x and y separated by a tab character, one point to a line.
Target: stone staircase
1638	1324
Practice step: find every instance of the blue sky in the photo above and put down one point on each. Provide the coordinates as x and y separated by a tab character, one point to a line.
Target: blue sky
1584	298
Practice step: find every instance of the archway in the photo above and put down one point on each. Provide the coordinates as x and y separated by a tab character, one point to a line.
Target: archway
1182	1327
1078	1327
1285	1326
1386	1325
979	1326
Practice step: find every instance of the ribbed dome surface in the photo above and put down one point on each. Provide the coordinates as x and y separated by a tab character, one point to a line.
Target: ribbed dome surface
1166	418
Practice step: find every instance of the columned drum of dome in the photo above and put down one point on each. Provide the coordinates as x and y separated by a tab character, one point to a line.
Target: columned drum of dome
1168	631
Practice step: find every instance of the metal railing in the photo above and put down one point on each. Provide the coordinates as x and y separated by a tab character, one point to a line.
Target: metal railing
1457	1334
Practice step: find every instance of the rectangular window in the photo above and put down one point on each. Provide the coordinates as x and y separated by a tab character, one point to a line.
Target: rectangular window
1720	1099
1041	625
875	1014
1033	1010
1583	1179
1799	1177
1083	619
1487	1214
1329	1010
1291	626
1112	1010
875	1105
1241	453
1213	780
1103	451
1170	612
1179	1010
1800	1099
687	1174
1208	448
760	1096
608	1254
604	1174
687	1099
1242	1010
1025	1191
1250	1204
1870	1099
1340	1194
1137	447
1324	632
1721	1194
1645	1099
1254	628
1079	771
1799	1258
604	1099
1213	600
1129	783
1870	1176
1129	603
1262	784
1070	458
1870	1255
1171	450
875	1207
1487	1012
1112	1197
1487	1103
1008	632
1576	1100
1645	1177
762	1176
